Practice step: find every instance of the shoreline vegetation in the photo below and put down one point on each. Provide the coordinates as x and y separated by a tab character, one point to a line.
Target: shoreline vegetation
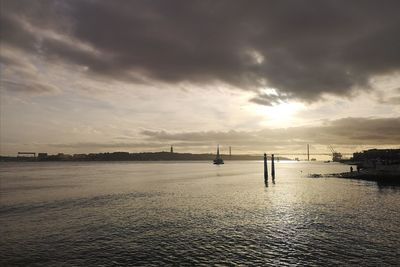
126	156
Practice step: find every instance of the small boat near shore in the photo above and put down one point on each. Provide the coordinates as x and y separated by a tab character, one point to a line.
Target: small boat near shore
218	159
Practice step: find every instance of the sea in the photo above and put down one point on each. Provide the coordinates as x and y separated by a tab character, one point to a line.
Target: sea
194	214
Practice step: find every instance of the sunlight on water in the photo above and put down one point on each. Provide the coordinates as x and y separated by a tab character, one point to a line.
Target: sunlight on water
193	213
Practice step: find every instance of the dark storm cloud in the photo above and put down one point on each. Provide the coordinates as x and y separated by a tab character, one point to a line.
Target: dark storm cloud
270	99
302	48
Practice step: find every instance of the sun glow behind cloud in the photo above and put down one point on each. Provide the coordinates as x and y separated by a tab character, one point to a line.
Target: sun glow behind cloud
276	109
280	115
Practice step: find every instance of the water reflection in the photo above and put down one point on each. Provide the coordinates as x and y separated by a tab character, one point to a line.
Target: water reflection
266	182
193	214
388	185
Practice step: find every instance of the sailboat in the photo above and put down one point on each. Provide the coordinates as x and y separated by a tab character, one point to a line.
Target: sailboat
218	160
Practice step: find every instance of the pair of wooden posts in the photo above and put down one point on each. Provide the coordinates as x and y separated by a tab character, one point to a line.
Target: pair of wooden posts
266	167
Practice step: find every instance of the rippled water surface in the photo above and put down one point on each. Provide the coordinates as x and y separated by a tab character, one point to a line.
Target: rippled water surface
193	213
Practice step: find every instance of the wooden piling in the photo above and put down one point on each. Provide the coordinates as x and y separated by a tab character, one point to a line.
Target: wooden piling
272	167
265	167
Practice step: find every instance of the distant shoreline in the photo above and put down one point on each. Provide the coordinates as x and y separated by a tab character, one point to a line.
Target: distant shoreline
126	156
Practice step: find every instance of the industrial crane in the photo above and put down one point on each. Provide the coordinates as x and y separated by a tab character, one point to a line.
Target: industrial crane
336	156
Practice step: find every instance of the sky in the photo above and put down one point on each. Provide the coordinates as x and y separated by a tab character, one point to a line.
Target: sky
259	76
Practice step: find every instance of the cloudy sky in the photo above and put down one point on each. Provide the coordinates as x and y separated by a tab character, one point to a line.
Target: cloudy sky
96	76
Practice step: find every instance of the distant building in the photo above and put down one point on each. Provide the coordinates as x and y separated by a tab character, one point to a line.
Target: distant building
172	149
26	154
42	156
63	156
379	163
79	156
375	154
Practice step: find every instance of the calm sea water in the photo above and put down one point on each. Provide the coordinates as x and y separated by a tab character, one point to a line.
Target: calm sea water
193	213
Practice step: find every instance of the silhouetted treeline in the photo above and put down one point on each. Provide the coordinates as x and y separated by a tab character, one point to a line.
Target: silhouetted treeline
126	156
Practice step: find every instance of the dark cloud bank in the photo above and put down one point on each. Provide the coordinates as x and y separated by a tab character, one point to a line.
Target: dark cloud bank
347	131
302	48
342	132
